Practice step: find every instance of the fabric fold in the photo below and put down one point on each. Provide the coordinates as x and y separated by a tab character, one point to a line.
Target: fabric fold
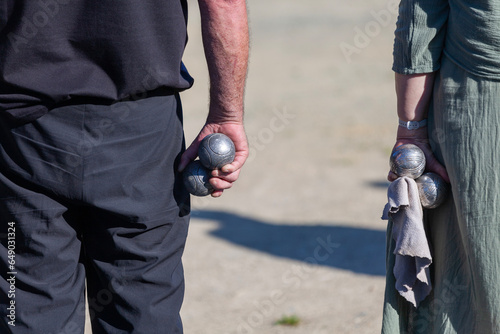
412	251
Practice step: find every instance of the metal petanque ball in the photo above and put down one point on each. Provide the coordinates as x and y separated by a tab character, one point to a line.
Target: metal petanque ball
432	190
196	178
216	150
407	160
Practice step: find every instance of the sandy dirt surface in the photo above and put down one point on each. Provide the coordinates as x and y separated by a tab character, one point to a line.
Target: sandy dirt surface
300	233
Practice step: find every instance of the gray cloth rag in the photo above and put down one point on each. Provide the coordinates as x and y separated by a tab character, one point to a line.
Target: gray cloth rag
413	255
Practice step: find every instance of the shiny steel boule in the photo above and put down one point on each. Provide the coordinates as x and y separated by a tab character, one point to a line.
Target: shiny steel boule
216	150
196	178
432	190
407	160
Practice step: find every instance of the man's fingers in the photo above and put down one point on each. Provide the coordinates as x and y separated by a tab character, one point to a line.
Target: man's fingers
217	193
229	177
231	168
225	177
220	184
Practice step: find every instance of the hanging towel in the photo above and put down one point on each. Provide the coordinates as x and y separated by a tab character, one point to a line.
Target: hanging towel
412	252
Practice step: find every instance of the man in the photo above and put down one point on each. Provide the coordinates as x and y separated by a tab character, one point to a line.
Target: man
91	149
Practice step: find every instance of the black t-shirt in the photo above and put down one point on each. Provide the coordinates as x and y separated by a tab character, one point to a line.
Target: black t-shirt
55	52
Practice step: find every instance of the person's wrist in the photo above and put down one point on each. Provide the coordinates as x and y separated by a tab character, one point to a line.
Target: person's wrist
417	134
224	116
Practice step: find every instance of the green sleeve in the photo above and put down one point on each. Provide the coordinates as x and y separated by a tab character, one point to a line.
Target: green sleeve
419	36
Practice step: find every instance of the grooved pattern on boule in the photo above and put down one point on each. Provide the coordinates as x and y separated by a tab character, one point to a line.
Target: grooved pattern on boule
407	160
216	150
432	190
196	179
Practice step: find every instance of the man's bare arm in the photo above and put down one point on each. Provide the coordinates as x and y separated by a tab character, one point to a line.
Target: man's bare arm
226	44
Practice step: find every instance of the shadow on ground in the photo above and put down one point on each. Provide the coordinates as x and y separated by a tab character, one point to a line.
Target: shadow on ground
359	250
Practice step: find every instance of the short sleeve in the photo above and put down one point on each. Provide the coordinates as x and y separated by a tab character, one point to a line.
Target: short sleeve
420	35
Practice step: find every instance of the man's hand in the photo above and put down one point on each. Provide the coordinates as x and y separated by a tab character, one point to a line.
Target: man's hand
228	174
226	43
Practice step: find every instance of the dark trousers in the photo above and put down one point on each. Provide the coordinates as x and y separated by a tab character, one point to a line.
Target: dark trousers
89	194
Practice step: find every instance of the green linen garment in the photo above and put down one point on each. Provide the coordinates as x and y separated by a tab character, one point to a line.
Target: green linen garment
460	40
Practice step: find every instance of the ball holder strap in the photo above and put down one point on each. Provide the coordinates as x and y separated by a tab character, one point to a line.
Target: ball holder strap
413	125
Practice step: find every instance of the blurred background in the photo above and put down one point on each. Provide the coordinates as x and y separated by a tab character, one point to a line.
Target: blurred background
299	237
